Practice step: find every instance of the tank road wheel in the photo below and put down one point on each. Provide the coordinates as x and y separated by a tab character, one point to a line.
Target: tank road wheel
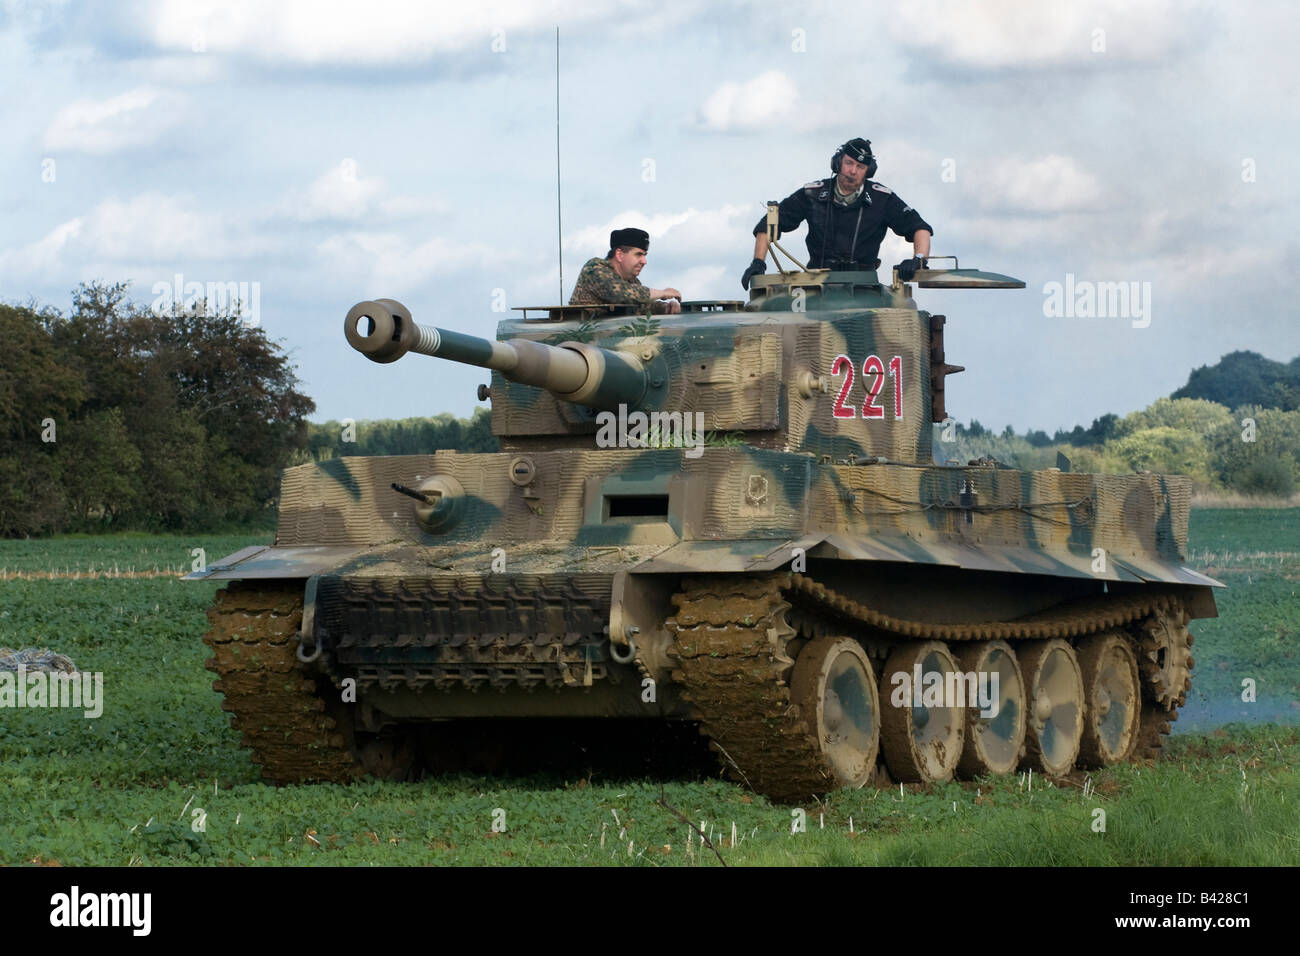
835	691
1055	723
922	742
1114	699
994	744
1165	663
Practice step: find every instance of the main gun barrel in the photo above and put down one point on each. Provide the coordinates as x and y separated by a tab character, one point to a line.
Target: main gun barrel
383	331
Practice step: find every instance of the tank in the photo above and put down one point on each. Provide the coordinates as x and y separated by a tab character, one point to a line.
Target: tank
740	517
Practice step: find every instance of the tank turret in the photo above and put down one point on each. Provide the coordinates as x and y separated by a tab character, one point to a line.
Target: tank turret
834	364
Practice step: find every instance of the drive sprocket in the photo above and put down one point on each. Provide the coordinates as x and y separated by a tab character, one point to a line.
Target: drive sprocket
1165	657
1165	662
730	639
289	718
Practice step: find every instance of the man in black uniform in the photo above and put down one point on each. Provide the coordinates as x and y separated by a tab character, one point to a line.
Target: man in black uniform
847	215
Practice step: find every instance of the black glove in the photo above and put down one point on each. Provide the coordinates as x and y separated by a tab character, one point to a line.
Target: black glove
907	268
757	267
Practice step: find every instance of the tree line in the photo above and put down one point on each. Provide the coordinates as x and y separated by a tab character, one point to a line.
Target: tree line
1234	427
407	436
117	417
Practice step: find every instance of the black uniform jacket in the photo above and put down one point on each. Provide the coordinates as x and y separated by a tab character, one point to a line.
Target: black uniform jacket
846	237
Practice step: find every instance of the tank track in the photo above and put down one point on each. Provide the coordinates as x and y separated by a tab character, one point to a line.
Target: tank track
734	647
294	722
282	712
730	640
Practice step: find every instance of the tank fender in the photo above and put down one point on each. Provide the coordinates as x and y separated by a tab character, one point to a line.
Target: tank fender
265	562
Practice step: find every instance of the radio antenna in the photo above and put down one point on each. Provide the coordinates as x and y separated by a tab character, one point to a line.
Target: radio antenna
559	221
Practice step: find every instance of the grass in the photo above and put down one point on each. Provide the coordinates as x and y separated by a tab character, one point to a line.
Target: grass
68	554
1254	638
125	788
1236	500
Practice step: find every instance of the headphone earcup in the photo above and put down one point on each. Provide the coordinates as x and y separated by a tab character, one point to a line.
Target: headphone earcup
835	160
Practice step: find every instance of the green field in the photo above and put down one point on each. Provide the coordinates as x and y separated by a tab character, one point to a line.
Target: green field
1256	553
124	788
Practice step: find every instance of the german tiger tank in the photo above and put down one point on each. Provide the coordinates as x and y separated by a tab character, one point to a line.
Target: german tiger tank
733	516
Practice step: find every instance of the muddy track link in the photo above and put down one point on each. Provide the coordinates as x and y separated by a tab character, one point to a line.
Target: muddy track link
280	709
1077	619
732	645
730	637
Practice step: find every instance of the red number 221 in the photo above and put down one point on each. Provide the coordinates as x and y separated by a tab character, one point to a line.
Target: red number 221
873	371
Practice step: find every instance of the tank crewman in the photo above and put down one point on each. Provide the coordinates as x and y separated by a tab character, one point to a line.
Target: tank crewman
613	279
847	215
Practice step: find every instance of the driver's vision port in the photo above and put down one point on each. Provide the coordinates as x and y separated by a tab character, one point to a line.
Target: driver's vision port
634	509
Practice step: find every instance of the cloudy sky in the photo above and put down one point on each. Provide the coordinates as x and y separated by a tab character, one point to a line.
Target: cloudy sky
333	152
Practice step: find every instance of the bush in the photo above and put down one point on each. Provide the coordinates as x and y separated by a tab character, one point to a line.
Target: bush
1258	450
1267	477
1163	449
1193	415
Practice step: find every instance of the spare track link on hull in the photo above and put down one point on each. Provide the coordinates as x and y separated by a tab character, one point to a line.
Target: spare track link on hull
731	657
280	709
450	636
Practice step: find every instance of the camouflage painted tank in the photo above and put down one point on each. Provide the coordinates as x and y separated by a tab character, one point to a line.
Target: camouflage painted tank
732	516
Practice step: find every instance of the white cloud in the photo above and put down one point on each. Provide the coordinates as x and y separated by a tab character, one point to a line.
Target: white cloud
135	118
1192	265
689	232
391	260
903	163
161	231
344	194
1050	184
341	192
43	255
1005	232
711	281
376	32
1001	34
770	100
159	227
767	98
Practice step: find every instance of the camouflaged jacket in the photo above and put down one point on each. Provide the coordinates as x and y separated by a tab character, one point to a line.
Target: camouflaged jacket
598	284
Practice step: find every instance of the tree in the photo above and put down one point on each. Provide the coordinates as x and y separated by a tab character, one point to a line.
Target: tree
1257	451
1162	449
407	436
39	392
101	467
1099	432
1246	378
163	420
1195	415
